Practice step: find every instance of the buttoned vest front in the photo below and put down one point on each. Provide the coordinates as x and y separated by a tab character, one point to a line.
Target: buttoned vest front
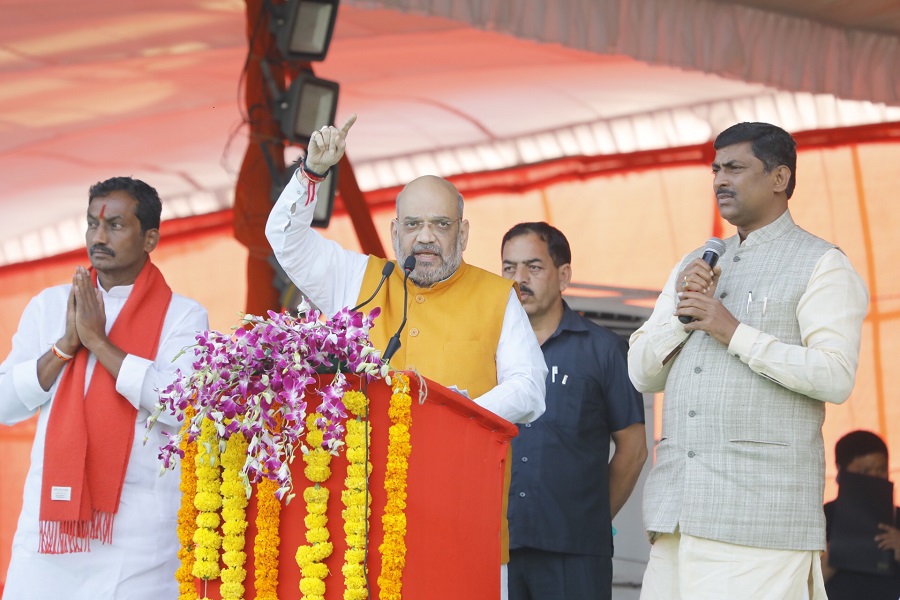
451	335
741	458
452	328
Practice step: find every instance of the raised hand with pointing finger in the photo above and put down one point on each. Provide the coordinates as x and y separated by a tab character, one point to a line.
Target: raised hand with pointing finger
326	146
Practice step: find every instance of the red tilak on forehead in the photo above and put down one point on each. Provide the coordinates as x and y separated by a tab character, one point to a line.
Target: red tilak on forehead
102	210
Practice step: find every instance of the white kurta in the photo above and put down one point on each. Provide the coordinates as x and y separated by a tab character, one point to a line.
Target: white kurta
141	561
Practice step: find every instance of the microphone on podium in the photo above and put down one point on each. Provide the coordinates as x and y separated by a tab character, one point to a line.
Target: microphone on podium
385	273
394	343
715	248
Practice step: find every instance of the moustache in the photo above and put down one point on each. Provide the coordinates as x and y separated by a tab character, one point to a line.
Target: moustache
725	192
102	249
433	248
524	289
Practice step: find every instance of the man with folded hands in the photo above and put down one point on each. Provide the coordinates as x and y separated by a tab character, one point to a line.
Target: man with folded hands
97	520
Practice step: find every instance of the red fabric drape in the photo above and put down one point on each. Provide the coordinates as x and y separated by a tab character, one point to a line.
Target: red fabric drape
454	489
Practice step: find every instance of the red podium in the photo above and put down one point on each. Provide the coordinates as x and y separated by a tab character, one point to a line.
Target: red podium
454	491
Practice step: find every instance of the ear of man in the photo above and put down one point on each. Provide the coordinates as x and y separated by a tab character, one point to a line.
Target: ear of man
565	277
781	176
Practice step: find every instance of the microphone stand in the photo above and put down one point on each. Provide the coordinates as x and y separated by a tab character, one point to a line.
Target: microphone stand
394	343
385	273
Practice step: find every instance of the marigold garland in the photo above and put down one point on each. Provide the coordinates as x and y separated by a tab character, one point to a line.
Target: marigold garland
187	517
208	501
265	546
393	548
215	484
309	558
356	498
234	517
253	384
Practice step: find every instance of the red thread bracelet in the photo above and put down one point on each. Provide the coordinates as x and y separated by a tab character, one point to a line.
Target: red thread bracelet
312	179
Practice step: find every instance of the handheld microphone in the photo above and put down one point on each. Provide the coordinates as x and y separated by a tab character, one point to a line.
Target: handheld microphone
385	273
394	343
715	248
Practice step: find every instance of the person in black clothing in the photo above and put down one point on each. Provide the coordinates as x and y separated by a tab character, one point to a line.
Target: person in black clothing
864	453
565	488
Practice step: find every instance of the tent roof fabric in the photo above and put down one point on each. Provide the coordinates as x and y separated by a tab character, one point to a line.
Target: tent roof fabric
844	47
151	89
879	16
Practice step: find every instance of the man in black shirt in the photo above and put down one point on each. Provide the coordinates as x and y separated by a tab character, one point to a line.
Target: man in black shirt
565	490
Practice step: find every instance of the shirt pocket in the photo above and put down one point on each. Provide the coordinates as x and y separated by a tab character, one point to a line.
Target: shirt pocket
569	399
762	310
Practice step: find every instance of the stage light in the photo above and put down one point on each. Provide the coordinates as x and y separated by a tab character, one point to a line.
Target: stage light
309	104
303	28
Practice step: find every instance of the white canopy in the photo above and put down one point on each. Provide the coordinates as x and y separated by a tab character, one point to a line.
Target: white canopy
150	89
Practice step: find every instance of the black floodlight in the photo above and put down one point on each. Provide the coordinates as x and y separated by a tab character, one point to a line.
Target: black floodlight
303	28
309	104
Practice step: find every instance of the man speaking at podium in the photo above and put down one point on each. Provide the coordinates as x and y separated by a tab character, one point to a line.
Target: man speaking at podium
466	327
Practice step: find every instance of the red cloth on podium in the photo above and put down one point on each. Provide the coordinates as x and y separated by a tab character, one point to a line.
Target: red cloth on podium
454	490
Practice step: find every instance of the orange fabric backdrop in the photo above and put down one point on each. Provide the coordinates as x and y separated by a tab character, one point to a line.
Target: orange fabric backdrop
627	229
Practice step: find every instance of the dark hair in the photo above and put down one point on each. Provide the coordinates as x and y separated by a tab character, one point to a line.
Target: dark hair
149	206
855	444
557	244
772	145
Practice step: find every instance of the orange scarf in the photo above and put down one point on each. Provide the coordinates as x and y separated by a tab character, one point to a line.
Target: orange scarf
89	435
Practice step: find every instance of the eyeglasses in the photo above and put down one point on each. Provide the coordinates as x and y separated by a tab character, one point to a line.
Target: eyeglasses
440	226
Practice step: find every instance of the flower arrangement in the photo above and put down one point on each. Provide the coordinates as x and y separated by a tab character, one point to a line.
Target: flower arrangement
255	382
244	419
393	548
356	497
208	501
187	521
234	517
310	557
267	541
